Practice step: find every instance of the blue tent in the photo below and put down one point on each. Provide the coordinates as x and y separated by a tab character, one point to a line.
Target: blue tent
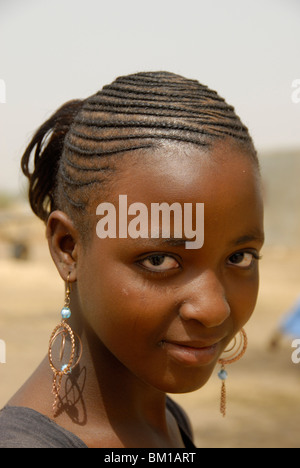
290	325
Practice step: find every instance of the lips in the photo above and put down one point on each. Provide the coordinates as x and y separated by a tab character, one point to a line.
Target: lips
194	344
192	352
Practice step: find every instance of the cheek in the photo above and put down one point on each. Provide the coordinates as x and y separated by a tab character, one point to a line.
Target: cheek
119	308
130	319
129	326
242	299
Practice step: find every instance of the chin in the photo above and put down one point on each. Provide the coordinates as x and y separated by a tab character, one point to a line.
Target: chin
184	384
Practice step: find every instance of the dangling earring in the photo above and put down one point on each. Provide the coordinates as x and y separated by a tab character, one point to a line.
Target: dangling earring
64	330
237	351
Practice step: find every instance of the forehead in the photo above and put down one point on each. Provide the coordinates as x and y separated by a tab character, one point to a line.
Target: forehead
225	178
185	172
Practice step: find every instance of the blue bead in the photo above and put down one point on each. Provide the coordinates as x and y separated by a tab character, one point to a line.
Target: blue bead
64	367
66	313
222	374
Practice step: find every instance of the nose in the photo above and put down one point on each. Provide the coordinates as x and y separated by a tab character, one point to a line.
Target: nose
206	301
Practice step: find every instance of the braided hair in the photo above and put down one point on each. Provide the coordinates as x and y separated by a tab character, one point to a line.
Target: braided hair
74	149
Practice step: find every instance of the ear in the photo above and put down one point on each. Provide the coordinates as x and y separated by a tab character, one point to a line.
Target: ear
63	239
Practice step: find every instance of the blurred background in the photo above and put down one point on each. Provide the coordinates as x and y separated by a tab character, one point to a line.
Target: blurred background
53	51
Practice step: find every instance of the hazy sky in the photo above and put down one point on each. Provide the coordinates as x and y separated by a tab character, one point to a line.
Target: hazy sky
56	50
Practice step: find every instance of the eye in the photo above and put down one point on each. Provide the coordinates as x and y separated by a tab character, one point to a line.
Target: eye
243	259
159	263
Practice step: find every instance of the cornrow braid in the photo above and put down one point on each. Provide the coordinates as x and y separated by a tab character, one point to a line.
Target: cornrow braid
134	112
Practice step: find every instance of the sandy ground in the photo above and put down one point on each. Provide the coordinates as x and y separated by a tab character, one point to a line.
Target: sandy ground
263	388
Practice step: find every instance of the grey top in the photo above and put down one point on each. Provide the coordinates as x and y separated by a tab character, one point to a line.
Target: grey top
22	427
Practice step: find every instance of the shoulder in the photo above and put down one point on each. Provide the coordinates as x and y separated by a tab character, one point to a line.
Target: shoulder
22	427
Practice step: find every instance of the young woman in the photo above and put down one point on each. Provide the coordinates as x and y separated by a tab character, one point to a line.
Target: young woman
145	315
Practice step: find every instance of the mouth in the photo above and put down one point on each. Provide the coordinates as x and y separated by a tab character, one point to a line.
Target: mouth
192	353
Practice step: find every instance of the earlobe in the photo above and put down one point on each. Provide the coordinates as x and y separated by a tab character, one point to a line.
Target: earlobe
63	244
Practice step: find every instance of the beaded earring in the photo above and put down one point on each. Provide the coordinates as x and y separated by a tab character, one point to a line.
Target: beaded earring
237	351
64	330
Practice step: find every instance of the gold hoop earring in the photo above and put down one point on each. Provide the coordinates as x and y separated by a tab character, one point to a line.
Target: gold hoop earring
237	351
64	330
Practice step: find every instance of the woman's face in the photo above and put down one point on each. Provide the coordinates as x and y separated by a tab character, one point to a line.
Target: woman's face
163	312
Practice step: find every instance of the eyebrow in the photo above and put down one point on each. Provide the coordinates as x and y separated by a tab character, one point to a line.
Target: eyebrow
179	242
171	241
255	237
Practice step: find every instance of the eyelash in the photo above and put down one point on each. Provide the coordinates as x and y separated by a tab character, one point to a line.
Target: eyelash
255	255
157	272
